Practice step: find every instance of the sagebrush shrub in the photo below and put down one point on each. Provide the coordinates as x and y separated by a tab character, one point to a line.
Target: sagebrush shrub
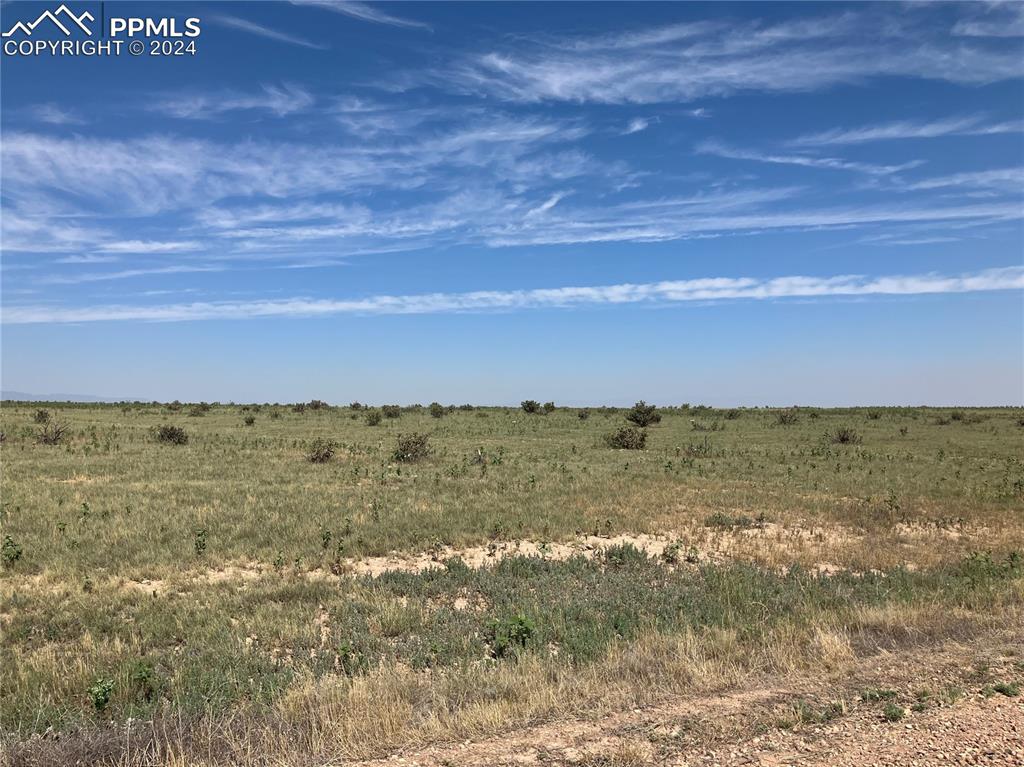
627	438
411	447
169	434
643	414
320	450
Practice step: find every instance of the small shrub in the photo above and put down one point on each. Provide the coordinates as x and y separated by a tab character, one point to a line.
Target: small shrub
733	414
411	448
786	417
318	404
356	406
505	636
41	416
530	406
320	450
10	551
99	693
893	712
52	433
171	435
643	414
1009	689
627	438
199	541
844	435
436	410
300	408
549	407
874	415
250	420
373	418
391	411
583	414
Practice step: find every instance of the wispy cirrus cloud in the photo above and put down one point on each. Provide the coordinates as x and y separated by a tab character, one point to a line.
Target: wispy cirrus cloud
676	63
141	247
655	293
279	100
1002	179
364	12
808	161
244	25
974	125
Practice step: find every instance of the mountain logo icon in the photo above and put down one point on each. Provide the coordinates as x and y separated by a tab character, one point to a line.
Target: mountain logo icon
63	18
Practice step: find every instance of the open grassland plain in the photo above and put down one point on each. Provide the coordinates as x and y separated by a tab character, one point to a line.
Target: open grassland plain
271	585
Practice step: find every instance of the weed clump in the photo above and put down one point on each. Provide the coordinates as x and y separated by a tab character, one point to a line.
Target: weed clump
99	693
505	636
643	414
10	551
320	450
787	417
411	448
171	435
844	435
627	438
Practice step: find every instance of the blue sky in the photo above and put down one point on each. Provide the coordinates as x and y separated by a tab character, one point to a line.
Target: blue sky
593	203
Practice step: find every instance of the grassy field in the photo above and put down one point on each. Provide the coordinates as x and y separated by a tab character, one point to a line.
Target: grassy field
209	602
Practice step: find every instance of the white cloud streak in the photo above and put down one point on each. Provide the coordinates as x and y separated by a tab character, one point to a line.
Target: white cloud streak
680	63
807	161
244	25
279	100
363	12
951	126
657	293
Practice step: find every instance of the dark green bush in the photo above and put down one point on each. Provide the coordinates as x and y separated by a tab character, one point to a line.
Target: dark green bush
505	636
41	416
530	406
436	409
373	418
10	551
391	411
643	414
627	438
549	407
